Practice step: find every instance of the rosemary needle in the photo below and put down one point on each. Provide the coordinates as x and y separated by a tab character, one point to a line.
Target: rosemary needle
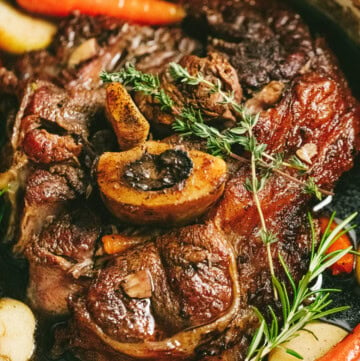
298	310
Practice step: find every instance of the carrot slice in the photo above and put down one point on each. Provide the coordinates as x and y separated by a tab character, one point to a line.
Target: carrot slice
117	243
346	350
141	11
346	263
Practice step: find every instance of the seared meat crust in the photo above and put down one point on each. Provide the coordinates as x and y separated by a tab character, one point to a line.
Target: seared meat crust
215	68
263	40
61	260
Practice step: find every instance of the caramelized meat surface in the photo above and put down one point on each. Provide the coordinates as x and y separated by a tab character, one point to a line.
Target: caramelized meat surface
214	68
61	259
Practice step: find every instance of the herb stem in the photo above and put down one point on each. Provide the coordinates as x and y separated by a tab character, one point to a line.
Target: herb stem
285	164
261	213
303	307
278	171
296	180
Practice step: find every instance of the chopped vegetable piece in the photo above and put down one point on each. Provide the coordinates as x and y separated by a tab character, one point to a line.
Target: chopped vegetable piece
20	33
314	341
117	243
141	11
357	266
130	126
346	263
17	328
346	350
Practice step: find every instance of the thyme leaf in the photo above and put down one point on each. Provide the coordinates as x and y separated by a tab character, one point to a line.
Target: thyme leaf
312	188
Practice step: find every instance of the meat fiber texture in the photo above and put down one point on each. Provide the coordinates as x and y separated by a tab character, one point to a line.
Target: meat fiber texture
205	277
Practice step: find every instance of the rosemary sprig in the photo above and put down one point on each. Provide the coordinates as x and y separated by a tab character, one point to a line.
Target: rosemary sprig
299	310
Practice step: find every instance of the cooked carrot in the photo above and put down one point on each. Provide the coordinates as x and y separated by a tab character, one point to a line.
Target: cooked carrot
346	350
117	243
141	11
346	263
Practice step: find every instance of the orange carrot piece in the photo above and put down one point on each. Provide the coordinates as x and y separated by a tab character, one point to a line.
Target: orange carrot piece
346	263
117	243
154	12
346	350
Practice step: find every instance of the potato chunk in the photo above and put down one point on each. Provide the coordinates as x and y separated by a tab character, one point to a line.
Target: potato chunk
130	126
17	327
310	345
20	33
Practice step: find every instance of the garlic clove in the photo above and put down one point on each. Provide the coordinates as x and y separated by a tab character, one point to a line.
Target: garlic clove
306	152
138	285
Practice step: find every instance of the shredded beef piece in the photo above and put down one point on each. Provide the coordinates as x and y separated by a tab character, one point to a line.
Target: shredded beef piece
263	40
72	235
45	187
215	68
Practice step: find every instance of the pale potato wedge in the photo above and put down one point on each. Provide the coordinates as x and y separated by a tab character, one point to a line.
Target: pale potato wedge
130	126
309	346
17	327
20	33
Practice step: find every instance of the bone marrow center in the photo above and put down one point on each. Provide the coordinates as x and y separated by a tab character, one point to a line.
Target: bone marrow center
154	172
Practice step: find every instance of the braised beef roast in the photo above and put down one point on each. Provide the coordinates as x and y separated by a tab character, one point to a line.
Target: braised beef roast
183	293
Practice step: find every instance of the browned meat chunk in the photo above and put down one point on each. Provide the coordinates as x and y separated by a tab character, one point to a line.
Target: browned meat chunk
46	194
191	276
214	68
44	147
60	258
263	40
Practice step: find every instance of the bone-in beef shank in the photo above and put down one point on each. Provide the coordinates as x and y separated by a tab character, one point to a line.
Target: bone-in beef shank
172	293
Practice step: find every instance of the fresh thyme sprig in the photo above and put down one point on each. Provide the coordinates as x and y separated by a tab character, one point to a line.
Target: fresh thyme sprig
240	134
305	305
189	121
312	188
148	84
254	186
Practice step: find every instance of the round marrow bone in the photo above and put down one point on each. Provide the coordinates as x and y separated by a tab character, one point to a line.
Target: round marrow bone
180	203
130	126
